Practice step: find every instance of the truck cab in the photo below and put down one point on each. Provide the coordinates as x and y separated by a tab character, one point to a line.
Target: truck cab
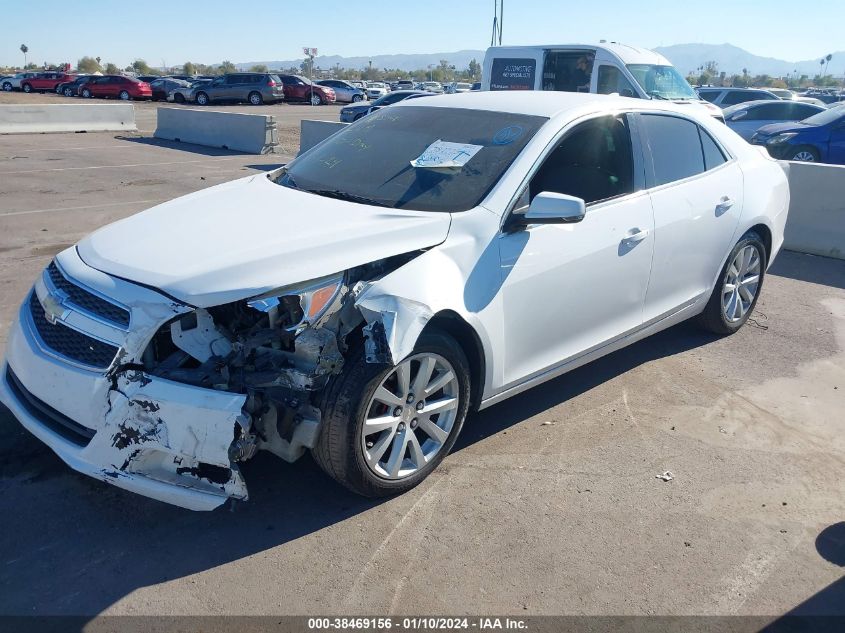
605	68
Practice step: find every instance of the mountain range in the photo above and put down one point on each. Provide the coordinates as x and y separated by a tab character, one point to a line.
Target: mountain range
686	57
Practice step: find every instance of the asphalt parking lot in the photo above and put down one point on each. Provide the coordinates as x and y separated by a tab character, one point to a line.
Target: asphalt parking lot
550	503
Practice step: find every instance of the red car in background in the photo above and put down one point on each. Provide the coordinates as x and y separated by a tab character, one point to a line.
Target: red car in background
45	81
116	86
301	89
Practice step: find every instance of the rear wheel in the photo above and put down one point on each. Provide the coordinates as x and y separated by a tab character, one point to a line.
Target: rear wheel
805	154
255	98
68	92
202	98
386	428
124	95
357	98
27	88
738	287
86	93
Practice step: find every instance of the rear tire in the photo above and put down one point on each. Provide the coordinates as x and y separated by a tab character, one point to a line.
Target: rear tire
124	95
729	308
68	92
86	94
255	98
357	98
202	99
27	88
348	401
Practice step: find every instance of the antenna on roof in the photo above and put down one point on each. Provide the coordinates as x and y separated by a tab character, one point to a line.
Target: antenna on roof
498	18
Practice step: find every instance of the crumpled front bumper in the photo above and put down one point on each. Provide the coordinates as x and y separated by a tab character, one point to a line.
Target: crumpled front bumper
159	438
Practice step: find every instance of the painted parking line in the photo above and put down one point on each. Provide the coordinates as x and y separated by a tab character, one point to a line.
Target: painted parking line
82	208
124	166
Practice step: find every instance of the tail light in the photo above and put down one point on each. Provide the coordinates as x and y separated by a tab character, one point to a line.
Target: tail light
271	83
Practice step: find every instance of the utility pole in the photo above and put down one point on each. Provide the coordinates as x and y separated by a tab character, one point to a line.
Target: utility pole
311	53
498	19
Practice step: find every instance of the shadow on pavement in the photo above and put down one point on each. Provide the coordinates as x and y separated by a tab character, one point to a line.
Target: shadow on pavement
180	146
811	268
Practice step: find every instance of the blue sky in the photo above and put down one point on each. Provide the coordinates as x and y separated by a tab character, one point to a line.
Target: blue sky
210	31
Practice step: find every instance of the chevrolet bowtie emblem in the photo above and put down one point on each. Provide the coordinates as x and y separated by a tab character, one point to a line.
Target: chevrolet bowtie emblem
53	308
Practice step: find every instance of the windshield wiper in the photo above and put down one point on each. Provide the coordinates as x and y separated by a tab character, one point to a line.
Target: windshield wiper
657	95
343	195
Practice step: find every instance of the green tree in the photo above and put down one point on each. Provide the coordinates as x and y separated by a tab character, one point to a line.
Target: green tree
24	50
258	68
189	69
141	67
88	65
112	69
227	67
474	70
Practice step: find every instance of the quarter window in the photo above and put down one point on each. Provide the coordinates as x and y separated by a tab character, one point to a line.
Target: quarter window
612	80
713	154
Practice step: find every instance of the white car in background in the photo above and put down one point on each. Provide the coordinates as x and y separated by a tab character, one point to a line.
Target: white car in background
437	257
432	86
376	89
14	82
457	86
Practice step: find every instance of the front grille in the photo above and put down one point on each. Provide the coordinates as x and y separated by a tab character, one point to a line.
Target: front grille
68	342
47	415
87	301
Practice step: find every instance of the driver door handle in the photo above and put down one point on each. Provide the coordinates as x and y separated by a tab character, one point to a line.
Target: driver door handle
636	235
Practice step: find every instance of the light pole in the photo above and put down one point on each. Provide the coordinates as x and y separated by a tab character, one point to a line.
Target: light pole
311	53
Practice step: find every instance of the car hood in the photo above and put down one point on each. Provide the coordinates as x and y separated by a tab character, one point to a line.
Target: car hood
780	128
249	236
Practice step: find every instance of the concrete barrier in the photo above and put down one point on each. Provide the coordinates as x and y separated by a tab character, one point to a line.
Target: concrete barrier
251	133
312	133
816	222
66	117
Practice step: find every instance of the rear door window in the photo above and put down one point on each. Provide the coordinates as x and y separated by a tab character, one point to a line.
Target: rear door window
674	147
568	71
774	111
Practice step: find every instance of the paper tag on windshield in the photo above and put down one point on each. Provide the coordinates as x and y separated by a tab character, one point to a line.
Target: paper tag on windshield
446	155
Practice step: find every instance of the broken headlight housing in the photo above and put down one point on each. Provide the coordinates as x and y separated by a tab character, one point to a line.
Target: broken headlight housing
304	303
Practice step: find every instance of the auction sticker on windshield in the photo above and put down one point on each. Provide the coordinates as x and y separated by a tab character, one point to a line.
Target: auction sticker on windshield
446	155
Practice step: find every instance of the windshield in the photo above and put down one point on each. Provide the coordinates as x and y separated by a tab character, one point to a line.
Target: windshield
662	82
826	117
370	161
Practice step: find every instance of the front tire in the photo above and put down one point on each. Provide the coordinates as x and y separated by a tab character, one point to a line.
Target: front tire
7	87
805	154
27	88
738	287
86	94
68	92
202	99
357	98
124	95
316	99
179	97
386	428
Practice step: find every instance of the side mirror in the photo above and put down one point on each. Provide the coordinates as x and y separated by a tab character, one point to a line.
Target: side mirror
549	208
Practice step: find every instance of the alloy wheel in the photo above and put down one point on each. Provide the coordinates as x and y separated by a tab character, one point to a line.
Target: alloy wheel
804	156
741	283
410	416
315	99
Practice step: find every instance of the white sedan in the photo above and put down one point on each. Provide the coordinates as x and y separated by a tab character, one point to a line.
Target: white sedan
436	257
376	90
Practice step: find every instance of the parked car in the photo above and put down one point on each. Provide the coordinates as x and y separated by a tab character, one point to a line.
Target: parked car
724	97
344	91
298	88
183	94
818	139
457	86
376	90
373	302
70	88
355	112
404	84
163	86
746	118
117	86
45	82
432	86
253	88
360	85
14	82
817	102
782	93
148	78
476	86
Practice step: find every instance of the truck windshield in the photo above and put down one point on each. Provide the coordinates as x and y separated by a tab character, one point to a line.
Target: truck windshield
662	82
458	156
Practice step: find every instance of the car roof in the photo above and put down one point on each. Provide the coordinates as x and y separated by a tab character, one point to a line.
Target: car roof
625	52
551	103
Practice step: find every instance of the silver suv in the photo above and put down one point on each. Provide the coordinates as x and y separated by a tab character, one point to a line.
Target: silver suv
254	88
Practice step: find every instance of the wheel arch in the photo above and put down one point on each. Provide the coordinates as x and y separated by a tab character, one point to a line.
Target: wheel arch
452	323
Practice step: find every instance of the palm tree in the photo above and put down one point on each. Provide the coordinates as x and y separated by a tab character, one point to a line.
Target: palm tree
24	50
827	62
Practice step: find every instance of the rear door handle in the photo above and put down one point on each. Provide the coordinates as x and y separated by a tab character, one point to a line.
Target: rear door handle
636	235
725	203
